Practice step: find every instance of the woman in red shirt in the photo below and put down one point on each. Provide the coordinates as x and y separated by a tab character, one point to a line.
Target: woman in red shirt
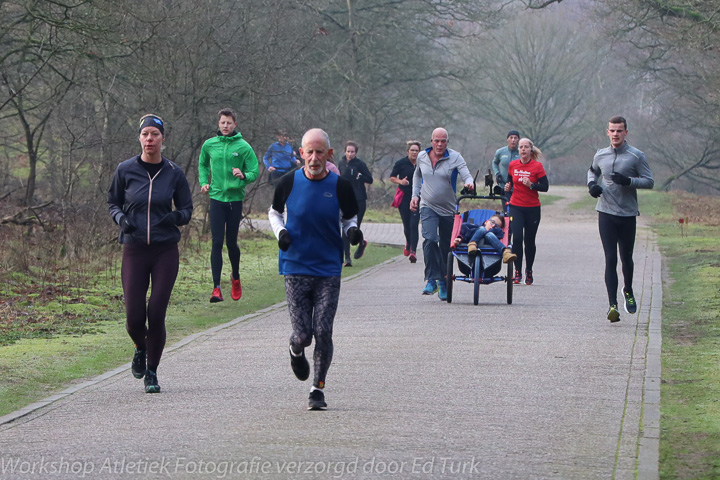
527	178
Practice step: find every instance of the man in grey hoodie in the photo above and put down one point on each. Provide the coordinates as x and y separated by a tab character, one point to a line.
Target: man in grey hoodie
434	187
624	169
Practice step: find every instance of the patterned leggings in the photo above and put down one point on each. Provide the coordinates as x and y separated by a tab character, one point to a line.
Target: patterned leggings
312	302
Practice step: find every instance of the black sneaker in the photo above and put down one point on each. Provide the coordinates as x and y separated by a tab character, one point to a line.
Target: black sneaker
317	400
300	365
138	363
518	277
151	382
360	250
613	314
630	304
528	277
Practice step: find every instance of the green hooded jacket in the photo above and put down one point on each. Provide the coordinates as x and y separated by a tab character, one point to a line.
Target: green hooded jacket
218	156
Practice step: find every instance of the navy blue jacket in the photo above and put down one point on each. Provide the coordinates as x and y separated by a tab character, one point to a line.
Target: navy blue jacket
145	201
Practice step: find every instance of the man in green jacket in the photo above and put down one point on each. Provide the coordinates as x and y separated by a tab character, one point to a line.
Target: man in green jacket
227	163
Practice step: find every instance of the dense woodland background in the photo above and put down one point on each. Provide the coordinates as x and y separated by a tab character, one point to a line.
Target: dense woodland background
76	75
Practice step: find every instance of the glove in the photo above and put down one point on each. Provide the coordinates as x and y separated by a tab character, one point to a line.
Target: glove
499	180
620	179
355	236
126	226
284	240
594	189
172	218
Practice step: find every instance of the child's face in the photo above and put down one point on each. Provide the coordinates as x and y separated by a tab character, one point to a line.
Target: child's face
492	222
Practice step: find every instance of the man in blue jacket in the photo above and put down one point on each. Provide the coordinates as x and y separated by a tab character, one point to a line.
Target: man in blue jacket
280	157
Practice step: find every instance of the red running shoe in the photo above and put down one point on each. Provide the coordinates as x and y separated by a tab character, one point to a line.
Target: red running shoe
406	250
412	257
518	277
236	289
216	296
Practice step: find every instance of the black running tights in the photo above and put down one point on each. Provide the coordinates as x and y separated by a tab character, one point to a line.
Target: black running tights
142	266
224	224
617	233
524	226
312	302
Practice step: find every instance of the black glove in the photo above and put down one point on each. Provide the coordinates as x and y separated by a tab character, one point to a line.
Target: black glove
284	240
499	180
620	179
172	218
355	236
126	226
594	189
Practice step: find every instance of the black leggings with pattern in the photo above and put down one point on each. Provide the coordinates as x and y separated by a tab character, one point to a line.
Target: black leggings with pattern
312	302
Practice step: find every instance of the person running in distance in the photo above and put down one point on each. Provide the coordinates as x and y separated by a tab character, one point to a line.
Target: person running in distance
227	164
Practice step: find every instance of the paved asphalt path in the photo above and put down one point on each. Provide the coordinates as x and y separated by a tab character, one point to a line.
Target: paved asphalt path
543	388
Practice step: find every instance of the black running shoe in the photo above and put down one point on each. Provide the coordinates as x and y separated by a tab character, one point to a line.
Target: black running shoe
151	382
360	250
630	304
528	277
613	314
138	363
300	365
518	277
317	400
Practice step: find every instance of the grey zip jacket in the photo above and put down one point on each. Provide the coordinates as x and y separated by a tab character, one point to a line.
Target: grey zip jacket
436	187
620	200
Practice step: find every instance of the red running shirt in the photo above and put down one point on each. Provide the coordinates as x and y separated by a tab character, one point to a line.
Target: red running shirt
522	195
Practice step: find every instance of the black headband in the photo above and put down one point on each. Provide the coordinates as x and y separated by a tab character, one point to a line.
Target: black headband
152	121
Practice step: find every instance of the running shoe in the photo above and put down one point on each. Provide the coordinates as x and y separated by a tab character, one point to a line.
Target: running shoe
613	313
442	290
528	277
138	363
360	250
236	288
348	263
406	250
300	365
517	278
412	257
430	288
630	304
151	382
216	296
317	400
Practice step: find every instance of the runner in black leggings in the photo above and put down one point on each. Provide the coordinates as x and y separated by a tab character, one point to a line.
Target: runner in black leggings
623	169
225	220
141	198
527	178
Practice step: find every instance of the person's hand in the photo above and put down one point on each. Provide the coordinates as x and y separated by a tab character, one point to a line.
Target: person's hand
620	179
507	187
355	236
172	218
238	173
414	203
470	186
525	181
205	188
271	169
594	189
458	240
126	225
284	240
499	179
404	181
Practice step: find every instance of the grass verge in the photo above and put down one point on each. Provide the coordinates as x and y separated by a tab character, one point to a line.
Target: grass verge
690	391
38	359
